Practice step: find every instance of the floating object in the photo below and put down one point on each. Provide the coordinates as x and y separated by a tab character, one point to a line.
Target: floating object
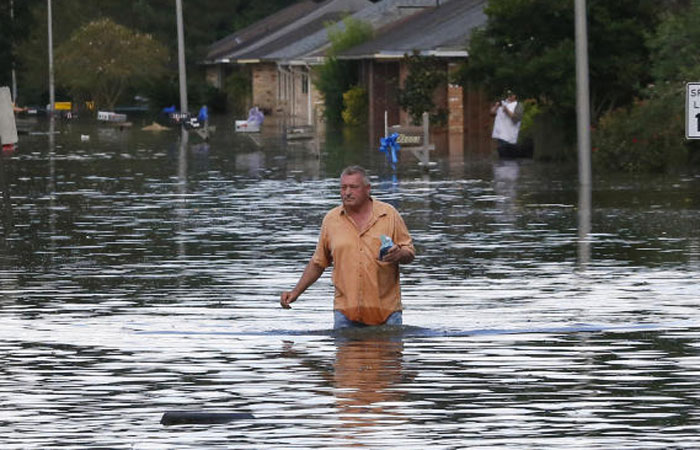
107	116
84	137
155	126
252	123
189	417
8	127
243	126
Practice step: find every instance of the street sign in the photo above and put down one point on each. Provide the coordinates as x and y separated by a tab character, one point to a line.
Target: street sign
692	111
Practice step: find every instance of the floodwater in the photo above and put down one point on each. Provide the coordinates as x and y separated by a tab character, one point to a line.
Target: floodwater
140	276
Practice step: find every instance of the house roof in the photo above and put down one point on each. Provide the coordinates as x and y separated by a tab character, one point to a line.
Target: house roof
243	38
443	30
299	34
269	50
377	15
290	27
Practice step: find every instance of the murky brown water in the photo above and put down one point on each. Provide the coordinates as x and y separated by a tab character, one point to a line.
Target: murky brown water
137	279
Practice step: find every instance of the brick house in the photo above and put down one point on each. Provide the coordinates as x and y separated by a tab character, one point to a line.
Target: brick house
442	31
280	53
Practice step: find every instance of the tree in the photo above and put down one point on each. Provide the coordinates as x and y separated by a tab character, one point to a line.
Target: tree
102	59
425	75
675	47
15	23
205	22
337	76
529	47
648	135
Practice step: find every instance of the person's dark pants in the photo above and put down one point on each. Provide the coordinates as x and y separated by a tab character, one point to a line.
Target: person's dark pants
506	149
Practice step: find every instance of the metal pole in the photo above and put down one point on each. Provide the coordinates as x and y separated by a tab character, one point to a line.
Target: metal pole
52	92
583	125
583	113
14	74
181	57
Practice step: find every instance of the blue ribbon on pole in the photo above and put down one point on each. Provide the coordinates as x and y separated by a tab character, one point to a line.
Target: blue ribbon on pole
389	146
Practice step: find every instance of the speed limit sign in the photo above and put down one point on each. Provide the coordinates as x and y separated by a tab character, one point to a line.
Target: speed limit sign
692	111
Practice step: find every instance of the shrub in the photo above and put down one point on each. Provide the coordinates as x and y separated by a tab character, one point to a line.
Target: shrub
336	76
531	110
238	89
356	105
646	137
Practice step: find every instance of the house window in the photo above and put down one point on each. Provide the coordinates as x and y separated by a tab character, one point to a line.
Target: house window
304	84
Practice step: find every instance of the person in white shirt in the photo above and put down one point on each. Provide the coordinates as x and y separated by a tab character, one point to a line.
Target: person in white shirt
506	125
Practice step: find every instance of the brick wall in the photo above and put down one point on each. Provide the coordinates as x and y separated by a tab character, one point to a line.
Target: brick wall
265	87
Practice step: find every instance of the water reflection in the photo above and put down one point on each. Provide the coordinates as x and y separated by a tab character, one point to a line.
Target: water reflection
365	373
505	185
181	215
584	226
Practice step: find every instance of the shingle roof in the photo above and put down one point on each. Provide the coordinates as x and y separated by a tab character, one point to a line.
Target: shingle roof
377	15
442	30
299	32
268	50
259	29
291	31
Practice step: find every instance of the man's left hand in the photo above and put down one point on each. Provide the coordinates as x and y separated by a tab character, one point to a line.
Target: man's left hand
395	255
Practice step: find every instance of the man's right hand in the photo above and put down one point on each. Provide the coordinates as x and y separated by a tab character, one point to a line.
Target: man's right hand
286	299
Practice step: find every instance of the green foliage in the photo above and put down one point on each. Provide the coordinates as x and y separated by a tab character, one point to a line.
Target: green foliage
356	104
675	47
337	76
353	32
646	137
205	21
531	110
238	90
529	47
13	31
102	59
649	135
425	75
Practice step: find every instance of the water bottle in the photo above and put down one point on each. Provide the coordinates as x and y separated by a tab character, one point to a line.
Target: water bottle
387	243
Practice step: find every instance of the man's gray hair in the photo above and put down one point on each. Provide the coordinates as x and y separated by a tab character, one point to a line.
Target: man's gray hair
352	170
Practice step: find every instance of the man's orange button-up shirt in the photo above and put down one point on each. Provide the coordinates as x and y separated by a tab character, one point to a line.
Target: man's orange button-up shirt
366	289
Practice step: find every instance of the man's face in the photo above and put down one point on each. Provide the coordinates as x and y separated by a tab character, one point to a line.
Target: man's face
353	191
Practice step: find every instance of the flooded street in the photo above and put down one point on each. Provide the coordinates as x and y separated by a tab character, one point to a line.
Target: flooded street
140	276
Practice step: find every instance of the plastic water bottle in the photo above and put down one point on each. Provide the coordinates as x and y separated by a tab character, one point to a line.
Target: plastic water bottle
387	243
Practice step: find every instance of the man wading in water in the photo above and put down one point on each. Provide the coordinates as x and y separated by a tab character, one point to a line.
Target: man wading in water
367	290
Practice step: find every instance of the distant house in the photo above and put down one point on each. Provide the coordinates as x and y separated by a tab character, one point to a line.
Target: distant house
281	51
265	49
442	31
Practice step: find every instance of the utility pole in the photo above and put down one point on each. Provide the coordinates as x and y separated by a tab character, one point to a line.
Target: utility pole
583	107
583	127
12	51
181	57
52	92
